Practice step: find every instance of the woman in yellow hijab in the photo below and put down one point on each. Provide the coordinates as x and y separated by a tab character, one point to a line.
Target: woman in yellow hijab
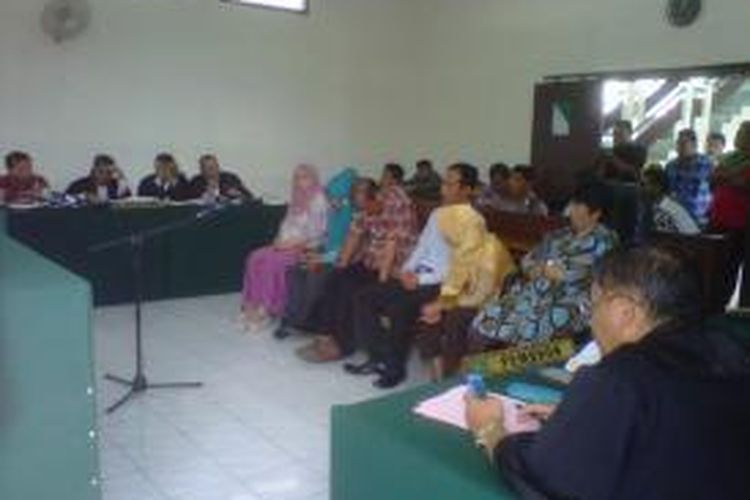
479	265
479	261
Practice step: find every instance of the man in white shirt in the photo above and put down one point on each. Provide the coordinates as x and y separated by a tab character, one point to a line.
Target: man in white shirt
668	214
385	313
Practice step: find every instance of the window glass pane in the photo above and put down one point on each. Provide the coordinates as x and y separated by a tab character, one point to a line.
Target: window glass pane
295	5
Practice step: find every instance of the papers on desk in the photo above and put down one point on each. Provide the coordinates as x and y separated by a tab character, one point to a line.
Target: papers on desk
450	408
25	206
136	202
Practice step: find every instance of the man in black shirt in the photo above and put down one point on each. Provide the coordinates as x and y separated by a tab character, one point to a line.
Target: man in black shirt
627	158
425	183
213	182
665	415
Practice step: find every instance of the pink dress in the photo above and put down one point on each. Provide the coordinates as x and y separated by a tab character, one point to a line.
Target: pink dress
265	268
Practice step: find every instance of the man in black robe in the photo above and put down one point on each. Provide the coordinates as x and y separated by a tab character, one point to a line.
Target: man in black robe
663	416
167	182
104	183
213	182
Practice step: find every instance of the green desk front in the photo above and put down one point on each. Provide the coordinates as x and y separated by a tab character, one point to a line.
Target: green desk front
47	407
382	451
201	259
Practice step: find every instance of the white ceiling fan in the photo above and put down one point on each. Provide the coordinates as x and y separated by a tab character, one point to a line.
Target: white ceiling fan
64	20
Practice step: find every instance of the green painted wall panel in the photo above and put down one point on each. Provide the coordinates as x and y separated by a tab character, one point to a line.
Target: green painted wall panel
47	406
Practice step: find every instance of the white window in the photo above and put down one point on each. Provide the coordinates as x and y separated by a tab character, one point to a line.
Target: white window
292	5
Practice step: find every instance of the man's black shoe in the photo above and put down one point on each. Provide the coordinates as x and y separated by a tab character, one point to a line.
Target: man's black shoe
369	367
389	380
282	333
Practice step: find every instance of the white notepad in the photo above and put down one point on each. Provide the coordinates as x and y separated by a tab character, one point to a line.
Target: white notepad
450	408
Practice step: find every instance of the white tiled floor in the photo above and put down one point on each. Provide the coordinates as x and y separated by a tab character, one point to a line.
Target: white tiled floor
258	429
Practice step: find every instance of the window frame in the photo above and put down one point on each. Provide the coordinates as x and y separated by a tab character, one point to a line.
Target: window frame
252	5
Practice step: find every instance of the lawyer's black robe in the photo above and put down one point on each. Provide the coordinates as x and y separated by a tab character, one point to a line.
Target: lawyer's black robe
667	418
151	187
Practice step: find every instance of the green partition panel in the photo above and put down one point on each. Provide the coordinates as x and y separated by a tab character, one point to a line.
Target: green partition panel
48	448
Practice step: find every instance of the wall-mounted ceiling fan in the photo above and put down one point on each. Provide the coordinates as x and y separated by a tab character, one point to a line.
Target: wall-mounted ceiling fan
64	20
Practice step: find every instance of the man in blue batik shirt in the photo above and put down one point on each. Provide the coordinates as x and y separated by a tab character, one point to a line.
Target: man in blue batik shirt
688	176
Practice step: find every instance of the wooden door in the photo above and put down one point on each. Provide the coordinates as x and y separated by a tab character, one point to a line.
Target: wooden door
566	135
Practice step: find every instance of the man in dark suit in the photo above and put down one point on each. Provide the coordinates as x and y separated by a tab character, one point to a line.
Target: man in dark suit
168	183
214	183
665	413
104	183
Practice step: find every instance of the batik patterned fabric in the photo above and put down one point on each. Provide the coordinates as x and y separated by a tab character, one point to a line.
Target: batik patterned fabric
537	308
397	223
22	190
688	180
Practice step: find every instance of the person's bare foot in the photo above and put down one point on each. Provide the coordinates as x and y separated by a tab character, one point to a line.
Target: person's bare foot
250	312
261	314
265	322
250	319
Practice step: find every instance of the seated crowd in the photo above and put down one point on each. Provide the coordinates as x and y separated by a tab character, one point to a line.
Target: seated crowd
358	274
358	265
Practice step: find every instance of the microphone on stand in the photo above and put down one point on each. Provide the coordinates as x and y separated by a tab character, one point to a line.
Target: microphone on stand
214	208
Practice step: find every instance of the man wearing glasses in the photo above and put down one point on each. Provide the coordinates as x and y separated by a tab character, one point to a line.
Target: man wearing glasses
664	415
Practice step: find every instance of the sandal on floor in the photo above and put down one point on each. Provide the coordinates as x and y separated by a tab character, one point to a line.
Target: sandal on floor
320	351
311	346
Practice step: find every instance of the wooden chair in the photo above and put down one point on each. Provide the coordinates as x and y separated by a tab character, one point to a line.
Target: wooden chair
520	233
424	208
707	253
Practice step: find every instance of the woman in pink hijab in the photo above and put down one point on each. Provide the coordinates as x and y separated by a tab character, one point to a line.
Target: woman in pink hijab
264	292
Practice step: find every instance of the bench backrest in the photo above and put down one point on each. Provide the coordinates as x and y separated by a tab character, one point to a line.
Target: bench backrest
519	232
708	254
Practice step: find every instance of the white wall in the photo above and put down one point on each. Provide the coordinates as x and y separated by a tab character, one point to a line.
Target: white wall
263	89
486	56
356	82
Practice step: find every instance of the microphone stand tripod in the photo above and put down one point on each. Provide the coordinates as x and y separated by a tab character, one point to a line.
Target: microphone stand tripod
139	383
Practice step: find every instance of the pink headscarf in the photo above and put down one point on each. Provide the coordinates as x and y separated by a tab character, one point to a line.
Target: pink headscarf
303	196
